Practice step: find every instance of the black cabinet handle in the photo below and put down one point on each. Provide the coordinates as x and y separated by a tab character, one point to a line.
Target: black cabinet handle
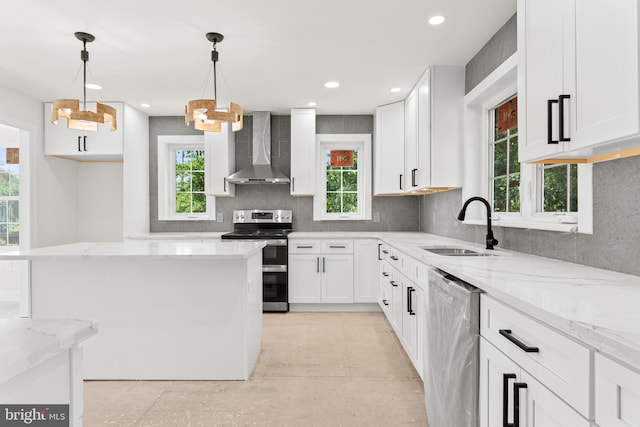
401	181
550	103
393	257
384	251
385	274
379	256
317	264
79	147
393	283
323	270
413	177
384	301
410	290
507	334
505	398
85	142
516	403
293	185
337	246
561	100
304	246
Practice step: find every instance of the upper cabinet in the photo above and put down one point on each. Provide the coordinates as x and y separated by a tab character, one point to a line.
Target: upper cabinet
103	145
388	158
220	161
419	141
303	142
577	78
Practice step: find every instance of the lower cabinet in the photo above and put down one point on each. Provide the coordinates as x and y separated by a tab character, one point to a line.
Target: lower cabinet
413	322
365	270
321	278
617	394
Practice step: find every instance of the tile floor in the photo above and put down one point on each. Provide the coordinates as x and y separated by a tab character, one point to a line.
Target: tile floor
315	369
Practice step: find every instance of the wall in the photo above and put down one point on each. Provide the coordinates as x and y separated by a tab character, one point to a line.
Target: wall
396	213
615	242
100	204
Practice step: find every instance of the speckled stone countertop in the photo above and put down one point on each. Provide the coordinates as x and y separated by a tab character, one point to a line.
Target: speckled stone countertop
598	307
27	342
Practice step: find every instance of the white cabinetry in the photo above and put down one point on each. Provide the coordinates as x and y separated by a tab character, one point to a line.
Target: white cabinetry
617	394
365	275
303	141
103	145
388	160
220	161
578	79
522	359
321	271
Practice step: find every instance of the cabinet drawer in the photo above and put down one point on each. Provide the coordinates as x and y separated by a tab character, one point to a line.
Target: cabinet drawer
304	246
617	394
386	271
385	252
337	246
410	268
560	363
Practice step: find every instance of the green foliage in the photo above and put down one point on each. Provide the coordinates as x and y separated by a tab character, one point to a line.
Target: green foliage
342	186
560	188
190	197
9	184
506	169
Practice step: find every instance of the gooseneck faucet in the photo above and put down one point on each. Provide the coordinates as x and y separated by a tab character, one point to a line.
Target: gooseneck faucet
490	240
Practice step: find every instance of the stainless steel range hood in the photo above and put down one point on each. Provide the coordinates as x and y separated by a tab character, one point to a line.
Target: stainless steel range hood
261	171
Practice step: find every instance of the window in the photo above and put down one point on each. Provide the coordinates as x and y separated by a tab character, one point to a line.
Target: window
343	190
505	169
181	179
558	187
9	196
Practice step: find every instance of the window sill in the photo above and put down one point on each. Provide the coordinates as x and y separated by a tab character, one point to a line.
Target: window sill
187	218
531	225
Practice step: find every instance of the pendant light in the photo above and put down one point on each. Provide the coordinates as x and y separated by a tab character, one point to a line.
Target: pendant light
203	113
70	108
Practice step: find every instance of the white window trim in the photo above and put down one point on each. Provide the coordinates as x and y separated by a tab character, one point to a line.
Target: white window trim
166	185
358	141
498	86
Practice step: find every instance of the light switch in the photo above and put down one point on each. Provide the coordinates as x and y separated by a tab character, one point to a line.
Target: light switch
219	217
376	217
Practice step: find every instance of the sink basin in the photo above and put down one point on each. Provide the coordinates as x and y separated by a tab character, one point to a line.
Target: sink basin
453	251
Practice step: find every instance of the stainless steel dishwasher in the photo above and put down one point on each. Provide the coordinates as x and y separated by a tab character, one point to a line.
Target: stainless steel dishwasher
451	351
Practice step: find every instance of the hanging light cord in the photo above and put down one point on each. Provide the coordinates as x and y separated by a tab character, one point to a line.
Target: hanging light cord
84	55
214	58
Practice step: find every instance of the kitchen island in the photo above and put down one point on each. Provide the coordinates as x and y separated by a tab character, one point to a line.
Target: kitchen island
182	310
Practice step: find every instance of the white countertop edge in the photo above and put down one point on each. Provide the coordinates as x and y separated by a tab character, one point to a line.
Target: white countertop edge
27	343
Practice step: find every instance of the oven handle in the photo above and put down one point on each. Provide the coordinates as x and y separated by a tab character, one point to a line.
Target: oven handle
274	268
269	242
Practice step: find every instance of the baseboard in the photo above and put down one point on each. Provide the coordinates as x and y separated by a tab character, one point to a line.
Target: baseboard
349	308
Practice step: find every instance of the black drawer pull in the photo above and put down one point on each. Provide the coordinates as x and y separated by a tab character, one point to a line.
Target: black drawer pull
384	301
384	251
393	283
337	246
304	246
395	258
385	274
507	334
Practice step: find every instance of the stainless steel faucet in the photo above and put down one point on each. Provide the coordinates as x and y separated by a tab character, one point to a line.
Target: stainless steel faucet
490	240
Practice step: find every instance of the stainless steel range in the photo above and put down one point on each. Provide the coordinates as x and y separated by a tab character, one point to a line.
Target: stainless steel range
271	226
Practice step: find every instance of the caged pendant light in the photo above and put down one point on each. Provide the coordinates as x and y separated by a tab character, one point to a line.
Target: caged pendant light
70	108
203	113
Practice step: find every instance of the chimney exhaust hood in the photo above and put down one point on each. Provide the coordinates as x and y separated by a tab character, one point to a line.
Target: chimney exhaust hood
261	171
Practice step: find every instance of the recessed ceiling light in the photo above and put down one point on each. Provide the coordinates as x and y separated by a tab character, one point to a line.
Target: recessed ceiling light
331	85
436	20
395	89
145	105
312	104
93	86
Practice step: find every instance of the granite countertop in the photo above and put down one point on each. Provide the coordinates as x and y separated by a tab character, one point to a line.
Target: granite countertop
140	249
27	342
598	307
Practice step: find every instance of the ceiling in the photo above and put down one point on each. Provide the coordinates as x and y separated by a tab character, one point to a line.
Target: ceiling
276	55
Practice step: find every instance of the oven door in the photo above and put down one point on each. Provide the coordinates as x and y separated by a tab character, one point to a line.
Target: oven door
275	253
274	291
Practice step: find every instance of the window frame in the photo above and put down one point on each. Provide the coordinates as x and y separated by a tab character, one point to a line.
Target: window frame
360	142
167	146
501	85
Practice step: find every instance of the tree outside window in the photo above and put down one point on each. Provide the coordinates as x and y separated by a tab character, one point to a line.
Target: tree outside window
9	197
189	179
559	185
505	168
342	185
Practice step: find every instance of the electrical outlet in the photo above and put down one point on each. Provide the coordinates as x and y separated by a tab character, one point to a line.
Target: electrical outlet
376	217
219	217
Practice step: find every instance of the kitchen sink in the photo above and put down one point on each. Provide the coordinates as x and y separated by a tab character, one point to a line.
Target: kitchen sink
453	251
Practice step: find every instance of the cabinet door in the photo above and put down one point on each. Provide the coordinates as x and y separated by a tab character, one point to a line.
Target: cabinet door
542	49
385	287
303	142
219	161
411	141
396	304
84	145
497	377
388	173
606	61
419	306
365	280
409	319
545	409
337	286
305	279
617	394
422	176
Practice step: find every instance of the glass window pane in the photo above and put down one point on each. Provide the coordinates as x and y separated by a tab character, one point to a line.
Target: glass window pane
3	235
573	184
514	193
13	211
199	203
333	180
183	183
197	160
3	211
500	195
183	203
555	189
350	181
13	234
500	159
198	181
514	165
5	184
333	203
350	202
